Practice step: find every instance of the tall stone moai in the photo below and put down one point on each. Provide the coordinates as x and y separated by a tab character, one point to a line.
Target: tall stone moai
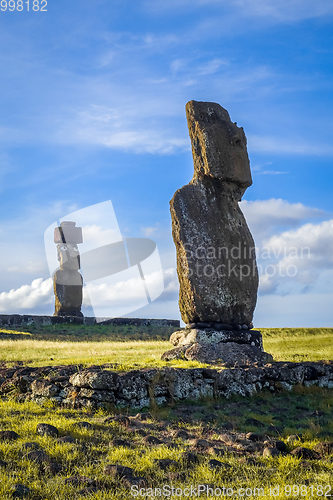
216	261
67	281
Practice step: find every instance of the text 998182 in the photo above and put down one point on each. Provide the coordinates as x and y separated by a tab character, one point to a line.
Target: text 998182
20	5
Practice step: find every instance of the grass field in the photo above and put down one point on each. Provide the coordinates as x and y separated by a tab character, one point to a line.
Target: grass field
79	472
132	347
307	413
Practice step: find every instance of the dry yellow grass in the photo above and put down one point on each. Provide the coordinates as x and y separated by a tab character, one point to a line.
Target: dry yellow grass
99	345
127	355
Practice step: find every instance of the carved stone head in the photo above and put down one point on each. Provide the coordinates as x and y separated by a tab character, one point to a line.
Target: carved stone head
218	145
68	256
68	236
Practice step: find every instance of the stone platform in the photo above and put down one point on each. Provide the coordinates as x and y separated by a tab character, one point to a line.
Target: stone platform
212	336
100	387
25	319
225	347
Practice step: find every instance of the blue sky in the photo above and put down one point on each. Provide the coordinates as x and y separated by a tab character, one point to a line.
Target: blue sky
92	97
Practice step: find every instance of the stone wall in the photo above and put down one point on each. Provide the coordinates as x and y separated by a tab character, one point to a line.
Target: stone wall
19	320
99	386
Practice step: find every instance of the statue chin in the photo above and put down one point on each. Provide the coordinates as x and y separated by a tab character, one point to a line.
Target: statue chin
72	264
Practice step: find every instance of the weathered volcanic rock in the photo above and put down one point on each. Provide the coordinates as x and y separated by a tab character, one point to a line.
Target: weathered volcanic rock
47	430
92	379
230	354
227	354
177	353
212	336
216	263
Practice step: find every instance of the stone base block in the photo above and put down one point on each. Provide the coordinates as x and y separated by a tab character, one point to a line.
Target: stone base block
74	313
226	354
212	336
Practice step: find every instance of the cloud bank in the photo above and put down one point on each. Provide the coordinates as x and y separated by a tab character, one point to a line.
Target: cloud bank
294	257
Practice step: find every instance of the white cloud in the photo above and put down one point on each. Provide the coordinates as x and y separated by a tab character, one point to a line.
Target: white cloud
211	67
265	217
119	294
28	297
110	111
22	250
278	210
123	295
171	285
150	118
273	172
266	285
178	64
145	141
309	247
123	292
112	296
293	256
295	259
95	236
148	231
128	101
123	129
258	170
317	237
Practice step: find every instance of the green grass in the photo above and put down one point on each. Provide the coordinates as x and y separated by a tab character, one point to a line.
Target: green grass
121	356
78	333
132	347
307	412
298	344
91	451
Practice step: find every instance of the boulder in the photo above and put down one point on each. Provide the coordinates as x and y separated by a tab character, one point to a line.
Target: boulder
8	436
47	430
92	379
44	388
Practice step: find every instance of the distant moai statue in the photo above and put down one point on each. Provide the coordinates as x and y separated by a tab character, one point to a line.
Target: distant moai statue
67	281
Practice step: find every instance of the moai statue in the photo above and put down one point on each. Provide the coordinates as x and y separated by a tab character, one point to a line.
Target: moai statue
67	281
215	250
216	261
